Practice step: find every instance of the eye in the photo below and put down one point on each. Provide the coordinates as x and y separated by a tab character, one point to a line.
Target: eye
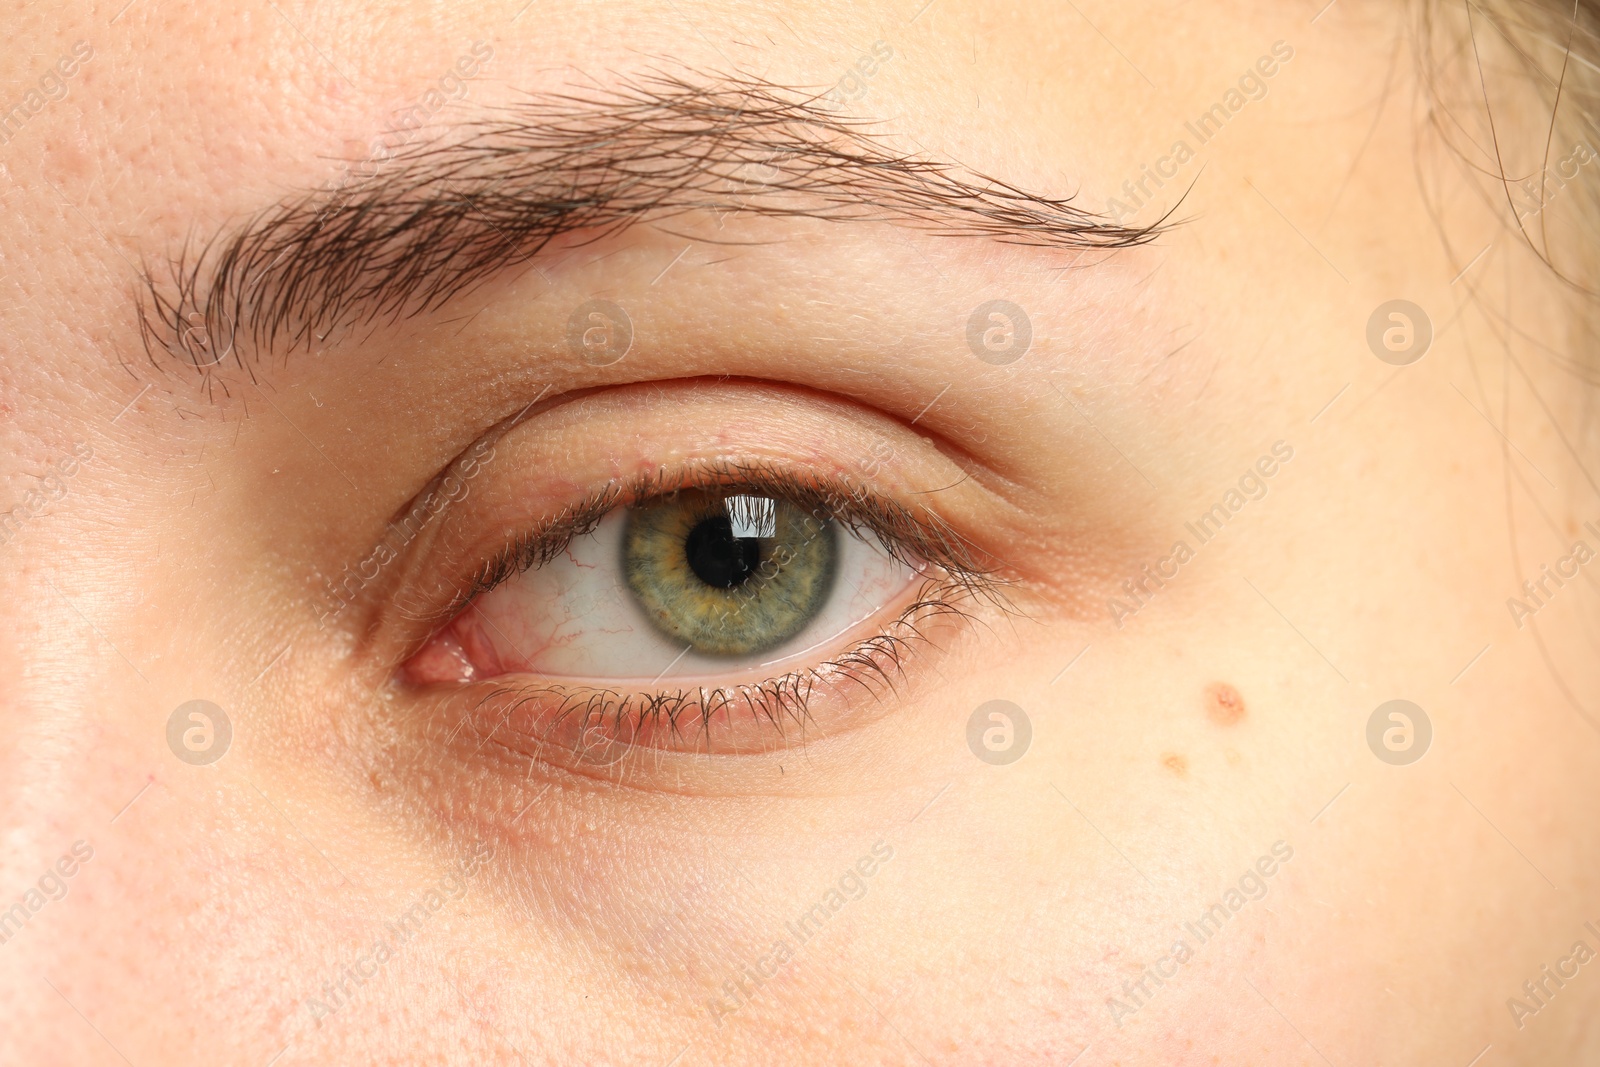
721	611
715	586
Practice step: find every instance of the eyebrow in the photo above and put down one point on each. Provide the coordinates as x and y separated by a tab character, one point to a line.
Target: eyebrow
435	219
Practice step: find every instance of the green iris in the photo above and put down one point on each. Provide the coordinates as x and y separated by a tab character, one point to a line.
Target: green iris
729	575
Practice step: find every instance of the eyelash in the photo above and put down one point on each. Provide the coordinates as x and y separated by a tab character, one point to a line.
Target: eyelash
964	574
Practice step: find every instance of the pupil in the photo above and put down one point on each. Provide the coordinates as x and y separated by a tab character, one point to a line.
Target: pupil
717	557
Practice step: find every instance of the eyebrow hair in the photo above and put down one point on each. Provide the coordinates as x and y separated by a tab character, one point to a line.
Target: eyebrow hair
437	219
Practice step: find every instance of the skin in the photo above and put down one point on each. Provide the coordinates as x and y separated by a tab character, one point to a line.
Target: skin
607	907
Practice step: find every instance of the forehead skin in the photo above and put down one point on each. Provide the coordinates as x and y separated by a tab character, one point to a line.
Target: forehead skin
1228	714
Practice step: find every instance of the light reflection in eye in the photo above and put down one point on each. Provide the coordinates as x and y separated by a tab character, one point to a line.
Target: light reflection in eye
701	584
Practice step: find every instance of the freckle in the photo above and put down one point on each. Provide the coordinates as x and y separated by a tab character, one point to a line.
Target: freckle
1176	764
1224	705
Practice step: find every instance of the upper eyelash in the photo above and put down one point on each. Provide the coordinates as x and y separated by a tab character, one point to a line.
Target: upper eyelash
911	538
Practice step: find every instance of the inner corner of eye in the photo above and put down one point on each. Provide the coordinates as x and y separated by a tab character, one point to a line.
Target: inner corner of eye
694	583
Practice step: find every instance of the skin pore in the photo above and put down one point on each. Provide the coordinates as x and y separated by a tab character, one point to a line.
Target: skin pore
396	860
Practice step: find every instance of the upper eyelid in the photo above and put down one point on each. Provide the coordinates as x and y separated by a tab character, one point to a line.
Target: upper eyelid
925	498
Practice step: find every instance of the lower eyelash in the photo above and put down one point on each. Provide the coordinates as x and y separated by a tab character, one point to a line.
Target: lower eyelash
613	723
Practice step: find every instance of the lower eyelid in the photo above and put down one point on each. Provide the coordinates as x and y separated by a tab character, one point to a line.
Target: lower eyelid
591	729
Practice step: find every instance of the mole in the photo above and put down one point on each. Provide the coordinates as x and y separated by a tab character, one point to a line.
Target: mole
1224	705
